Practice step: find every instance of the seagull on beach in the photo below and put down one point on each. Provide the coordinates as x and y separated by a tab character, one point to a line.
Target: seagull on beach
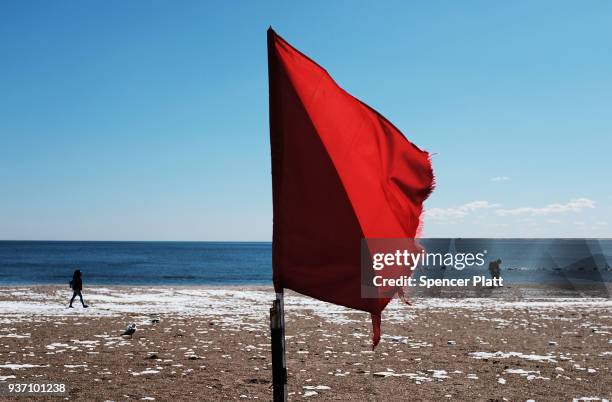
129	331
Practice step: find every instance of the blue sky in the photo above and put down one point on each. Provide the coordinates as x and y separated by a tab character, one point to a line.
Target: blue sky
148	120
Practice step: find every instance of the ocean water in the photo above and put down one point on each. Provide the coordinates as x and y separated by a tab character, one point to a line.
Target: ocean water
250	263
136	263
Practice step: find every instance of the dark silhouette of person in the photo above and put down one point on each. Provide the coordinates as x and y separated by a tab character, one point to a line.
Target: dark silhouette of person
77	285
494	268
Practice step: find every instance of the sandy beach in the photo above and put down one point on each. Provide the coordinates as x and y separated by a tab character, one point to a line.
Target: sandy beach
203	343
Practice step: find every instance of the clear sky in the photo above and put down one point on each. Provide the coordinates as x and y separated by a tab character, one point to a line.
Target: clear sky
148	120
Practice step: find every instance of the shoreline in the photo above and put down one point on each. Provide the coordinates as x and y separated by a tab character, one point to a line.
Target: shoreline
270	285
95	286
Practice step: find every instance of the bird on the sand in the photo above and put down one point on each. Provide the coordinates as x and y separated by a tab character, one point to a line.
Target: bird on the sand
129	331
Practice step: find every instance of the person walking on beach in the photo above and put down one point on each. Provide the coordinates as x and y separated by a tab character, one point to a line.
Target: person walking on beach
77	285
494	268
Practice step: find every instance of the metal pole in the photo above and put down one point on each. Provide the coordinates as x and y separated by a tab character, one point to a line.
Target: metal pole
279	363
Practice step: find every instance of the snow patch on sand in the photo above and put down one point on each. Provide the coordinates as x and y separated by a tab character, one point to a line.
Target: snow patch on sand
505	355
14	366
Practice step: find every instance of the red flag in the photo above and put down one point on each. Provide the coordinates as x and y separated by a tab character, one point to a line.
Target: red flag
341	172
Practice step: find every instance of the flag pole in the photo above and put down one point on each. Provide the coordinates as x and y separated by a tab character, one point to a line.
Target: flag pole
279	362
277	312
